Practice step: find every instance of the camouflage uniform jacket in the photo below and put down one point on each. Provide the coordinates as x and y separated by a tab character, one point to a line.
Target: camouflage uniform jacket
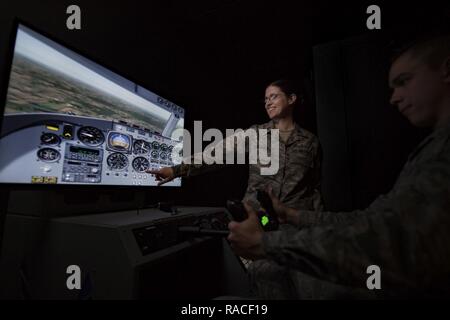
297	182
405	232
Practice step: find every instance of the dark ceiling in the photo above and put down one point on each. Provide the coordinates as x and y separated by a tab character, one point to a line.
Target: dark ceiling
213	57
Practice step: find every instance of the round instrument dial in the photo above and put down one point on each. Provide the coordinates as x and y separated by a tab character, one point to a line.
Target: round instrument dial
154	154
119	142
163	147
48	154
50	139
141	147
155	145
117	161
91	136
140	164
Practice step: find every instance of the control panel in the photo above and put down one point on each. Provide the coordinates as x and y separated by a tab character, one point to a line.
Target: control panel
67	151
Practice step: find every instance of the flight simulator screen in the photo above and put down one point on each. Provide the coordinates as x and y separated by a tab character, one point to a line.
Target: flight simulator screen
68	120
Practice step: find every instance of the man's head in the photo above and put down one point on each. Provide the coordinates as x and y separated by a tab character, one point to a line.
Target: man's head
420	79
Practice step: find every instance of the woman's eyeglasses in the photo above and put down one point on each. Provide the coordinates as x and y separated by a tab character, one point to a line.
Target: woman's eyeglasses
272	97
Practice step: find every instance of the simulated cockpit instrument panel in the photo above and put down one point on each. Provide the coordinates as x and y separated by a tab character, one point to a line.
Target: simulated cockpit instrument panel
68	120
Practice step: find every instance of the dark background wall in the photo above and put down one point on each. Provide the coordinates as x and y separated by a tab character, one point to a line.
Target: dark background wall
215	58
365	140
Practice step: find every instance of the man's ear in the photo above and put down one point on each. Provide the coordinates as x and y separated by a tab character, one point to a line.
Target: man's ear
446	70
292	98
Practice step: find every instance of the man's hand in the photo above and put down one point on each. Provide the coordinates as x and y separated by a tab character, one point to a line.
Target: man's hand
284	214
162	175
246	236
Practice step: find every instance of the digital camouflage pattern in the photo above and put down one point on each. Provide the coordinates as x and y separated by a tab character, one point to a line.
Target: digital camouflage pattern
297	182
405	232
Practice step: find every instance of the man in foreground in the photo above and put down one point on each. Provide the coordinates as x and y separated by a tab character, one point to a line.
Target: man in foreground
406	233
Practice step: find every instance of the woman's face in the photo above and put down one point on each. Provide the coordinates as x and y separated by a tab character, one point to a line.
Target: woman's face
278	104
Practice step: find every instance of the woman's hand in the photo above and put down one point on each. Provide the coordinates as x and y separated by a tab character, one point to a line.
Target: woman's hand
162	175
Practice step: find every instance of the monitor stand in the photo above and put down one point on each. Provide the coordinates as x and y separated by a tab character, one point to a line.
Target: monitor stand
132	254
68	202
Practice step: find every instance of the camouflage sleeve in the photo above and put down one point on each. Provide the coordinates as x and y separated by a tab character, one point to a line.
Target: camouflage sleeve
323	218
194	169
407	237
180	170
317	176
189	170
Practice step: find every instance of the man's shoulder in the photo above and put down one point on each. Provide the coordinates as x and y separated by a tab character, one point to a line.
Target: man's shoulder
443	139
435	146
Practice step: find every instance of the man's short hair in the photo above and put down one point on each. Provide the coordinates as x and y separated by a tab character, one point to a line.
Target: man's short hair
431	49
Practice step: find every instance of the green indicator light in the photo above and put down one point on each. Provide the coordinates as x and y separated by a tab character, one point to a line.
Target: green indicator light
264	220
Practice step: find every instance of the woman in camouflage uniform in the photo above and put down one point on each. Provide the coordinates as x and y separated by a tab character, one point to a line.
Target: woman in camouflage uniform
297	182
